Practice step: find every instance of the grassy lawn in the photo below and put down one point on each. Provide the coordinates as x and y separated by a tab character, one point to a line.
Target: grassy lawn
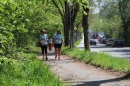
26	70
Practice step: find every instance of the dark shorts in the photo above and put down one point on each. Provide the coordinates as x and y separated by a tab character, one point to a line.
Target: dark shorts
57	45
44	49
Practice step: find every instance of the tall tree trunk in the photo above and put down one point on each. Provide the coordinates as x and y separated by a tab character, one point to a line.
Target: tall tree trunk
125	35
66	35
66	24
124	10
67	14
85	28
73	15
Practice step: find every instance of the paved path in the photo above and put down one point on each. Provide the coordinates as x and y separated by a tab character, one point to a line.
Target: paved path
78	73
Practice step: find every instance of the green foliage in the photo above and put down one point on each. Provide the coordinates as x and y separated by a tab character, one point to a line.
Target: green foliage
28	70
115	18
22	21
124	7
77	42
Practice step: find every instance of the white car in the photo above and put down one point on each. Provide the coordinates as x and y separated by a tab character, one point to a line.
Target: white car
109	42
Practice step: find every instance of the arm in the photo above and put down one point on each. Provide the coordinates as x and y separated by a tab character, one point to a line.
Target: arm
41	41
63	43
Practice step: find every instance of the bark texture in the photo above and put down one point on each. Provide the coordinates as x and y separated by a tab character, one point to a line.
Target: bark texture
85	28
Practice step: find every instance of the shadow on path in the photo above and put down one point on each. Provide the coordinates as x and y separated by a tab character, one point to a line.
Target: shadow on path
98	83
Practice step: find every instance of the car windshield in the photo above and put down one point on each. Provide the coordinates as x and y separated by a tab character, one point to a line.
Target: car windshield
111	40
119	40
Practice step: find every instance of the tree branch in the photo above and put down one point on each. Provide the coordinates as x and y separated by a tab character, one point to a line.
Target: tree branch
62	6
76	9
57	7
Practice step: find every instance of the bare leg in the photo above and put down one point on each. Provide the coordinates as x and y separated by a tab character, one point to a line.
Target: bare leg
56	52
59	52
43	57
46	56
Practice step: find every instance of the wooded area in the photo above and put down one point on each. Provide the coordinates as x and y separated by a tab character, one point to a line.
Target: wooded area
22	21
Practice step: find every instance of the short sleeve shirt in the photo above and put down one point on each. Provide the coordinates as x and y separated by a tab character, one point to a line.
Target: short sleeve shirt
57	39
44	38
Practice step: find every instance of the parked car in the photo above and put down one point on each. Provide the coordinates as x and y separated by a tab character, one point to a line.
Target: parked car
92	42
104	40
109	42
118	42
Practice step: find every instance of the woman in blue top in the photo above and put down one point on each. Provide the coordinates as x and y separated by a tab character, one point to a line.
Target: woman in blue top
57	42
43	41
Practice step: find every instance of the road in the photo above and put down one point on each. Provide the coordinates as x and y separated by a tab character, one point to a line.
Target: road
121	52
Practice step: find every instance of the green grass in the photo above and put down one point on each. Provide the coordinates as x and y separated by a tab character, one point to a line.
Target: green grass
102	60
77	42
26	70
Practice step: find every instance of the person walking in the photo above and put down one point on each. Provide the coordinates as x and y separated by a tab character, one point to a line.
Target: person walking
57	42
43	41
50	43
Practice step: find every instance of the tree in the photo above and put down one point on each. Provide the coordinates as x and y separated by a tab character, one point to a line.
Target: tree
124	7
22	21
85	24
110	19
66	17
68	12
116	13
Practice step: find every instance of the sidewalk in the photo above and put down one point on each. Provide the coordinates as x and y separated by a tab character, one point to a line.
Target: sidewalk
78	73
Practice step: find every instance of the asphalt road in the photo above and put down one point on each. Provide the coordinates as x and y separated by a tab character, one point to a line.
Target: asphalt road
121	52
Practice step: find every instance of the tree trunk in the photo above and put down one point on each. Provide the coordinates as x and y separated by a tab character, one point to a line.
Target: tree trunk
123	9
73	15
85	28
66	24
68	18
66	35
126	35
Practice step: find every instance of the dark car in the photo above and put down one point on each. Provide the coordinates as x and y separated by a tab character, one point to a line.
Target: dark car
104	40
92	42
118	42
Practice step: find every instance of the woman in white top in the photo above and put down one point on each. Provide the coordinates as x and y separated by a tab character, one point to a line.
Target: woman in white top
43	41
57	42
